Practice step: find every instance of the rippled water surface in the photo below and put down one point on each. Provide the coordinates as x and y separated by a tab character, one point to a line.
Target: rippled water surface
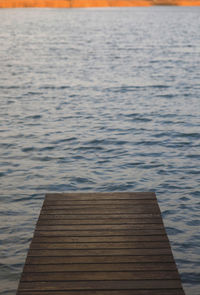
100	100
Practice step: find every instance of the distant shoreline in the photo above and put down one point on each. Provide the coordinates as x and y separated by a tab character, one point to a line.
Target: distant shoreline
93	3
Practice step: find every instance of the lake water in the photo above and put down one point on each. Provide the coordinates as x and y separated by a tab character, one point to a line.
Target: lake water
100	100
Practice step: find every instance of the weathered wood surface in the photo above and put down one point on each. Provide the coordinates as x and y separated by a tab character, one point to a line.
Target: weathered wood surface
102	244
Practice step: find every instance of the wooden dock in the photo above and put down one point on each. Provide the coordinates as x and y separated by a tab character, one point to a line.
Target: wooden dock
100	244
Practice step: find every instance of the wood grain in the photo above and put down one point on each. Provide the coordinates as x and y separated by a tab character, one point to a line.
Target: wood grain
100	244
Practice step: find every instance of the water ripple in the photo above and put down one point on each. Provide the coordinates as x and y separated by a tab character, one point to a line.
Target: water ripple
84	108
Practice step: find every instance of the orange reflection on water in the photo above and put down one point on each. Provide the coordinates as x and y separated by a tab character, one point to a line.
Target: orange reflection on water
93	3
189	3
109	3
72	3
176	2
34	3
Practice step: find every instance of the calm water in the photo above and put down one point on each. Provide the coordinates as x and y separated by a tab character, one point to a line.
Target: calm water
100	100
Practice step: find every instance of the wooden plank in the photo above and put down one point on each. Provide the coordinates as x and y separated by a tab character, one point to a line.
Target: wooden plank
99	276
98	259
97	252
98	227
102	196
100	233
100	239
150	266
105	292
116	221
101	285
102	244
100	217
105	210
108	245
98	202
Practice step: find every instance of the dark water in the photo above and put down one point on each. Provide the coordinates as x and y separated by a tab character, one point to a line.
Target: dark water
100	100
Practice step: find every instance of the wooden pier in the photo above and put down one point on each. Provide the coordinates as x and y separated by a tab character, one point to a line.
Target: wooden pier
100	244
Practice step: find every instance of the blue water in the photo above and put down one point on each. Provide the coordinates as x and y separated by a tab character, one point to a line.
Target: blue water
100	100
